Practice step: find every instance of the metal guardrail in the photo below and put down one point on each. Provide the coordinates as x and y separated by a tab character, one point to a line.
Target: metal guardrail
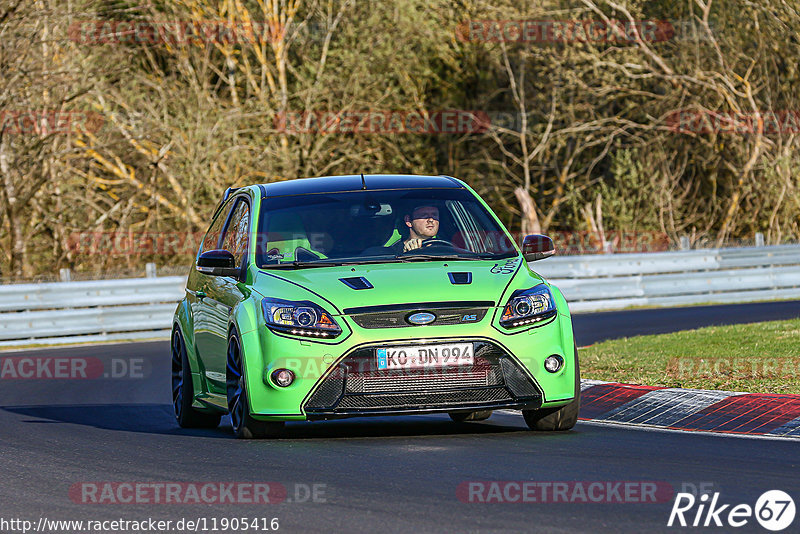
98	310
607	282
59	295
105	310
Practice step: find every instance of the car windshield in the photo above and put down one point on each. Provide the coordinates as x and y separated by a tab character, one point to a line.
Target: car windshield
317	230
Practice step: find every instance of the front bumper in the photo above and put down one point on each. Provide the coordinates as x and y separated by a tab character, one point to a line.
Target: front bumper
327	386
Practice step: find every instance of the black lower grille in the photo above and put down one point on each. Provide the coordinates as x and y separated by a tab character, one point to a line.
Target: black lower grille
426	400
482	374
517	382
357	387
329	393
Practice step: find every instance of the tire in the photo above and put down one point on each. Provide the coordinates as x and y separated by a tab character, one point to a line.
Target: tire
557	419
244	426
183	390
463	417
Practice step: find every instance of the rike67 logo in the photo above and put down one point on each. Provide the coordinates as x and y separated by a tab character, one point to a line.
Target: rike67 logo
774	510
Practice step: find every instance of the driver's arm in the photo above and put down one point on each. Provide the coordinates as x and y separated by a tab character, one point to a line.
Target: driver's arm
412	244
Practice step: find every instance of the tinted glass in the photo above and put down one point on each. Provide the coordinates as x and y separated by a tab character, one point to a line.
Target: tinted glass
236	233
215	230
370	225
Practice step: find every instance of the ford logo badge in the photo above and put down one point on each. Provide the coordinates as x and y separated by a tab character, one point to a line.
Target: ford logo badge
421	318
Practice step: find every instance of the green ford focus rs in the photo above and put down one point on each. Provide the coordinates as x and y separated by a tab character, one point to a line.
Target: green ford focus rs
348	296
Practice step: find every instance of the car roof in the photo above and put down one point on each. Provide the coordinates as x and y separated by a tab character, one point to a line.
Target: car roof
355	182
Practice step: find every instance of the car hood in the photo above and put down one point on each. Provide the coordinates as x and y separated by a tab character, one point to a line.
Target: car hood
394	283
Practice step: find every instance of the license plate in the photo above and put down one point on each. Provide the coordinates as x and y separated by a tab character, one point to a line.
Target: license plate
424	356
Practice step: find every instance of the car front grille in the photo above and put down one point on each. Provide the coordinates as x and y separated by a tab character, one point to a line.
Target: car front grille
357	387
395	316
420	380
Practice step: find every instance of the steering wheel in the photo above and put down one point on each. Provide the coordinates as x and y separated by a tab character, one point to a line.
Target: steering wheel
436	241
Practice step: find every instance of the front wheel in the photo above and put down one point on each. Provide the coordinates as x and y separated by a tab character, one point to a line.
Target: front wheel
561	418
244	426
183	391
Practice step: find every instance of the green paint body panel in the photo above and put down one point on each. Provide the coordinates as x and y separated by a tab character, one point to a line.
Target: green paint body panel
394	284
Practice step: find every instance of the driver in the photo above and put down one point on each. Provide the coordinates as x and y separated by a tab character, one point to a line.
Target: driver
423	223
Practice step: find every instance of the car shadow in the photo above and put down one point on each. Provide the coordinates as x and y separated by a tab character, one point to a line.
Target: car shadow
433	425
146	418
159	419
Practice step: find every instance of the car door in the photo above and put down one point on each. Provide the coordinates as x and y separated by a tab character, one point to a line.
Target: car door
222	293
198	285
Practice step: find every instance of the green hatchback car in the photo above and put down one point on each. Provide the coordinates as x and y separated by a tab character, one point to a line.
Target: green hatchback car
346	296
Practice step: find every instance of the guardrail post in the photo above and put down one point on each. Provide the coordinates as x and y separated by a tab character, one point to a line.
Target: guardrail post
150	270
66	275
685	245
759	239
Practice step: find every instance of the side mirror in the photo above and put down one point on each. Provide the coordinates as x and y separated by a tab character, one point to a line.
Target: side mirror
217	263
537	247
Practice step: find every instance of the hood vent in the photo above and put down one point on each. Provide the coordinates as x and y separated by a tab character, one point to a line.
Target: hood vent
356	282
460	278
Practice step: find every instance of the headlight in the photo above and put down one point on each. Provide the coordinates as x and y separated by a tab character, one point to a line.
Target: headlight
299	318
528	306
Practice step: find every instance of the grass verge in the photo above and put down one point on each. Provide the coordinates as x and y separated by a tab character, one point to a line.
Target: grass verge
753	358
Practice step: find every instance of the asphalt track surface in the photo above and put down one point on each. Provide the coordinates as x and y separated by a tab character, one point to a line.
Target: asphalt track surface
374	474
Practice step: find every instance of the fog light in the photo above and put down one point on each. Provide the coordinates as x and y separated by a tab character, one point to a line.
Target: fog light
553	363
282	377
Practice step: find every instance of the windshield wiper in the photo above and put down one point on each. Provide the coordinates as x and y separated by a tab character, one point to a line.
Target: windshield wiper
297	265
329	263
448	257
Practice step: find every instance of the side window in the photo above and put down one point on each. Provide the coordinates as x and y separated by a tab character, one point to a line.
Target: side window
469	233
236	234
215	230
